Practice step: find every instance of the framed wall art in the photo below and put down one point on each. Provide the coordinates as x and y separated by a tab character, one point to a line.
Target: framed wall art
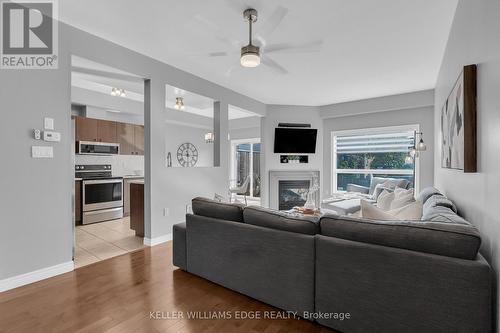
458	124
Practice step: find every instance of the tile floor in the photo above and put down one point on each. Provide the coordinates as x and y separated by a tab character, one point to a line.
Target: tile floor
99	241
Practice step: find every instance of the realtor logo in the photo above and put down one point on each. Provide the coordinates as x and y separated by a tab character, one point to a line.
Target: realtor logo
29	35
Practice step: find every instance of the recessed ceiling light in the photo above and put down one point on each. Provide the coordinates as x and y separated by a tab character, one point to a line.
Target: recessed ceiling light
114	111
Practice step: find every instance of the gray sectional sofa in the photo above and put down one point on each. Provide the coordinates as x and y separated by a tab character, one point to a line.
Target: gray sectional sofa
389	276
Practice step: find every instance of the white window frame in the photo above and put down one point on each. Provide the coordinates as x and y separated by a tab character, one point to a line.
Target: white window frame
232	158
365	131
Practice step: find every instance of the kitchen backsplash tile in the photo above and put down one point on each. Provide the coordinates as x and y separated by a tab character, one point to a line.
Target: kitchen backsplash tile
121	165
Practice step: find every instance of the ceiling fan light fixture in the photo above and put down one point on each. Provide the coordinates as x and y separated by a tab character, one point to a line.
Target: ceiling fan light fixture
250	56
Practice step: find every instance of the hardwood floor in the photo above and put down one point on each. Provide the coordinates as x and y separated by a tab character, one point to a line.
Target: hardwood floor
118	294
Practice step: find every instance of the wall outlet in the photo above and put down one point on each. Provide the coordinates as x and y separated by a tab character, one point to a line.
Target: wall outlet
37	134
166	211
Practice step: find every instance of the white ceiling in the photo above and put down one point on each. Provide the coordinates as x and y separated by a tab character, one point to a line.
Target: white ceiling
369	48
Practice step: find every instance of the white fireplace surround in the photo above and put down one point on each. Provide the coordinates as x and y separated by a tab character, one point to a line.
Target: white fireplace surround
275	176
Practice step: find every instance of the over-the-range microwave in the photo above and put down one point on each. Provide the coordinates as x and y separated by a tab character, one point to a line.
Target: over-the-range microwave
97	148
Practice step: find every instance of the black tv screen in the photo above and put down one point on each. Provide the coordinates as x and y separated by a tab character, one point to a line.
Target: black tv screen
295	140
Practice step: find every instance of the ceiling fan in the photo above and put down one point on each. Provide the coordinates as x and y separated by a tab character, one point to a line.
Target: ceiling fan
257	52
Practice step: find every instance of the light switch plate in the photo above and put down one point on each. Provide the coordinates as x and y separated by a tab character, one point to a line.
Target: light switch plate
48	123
42	152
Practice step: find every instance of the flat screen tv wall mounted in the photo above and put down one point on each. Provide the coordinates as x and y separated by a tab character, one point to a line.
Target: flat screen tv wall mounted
295	140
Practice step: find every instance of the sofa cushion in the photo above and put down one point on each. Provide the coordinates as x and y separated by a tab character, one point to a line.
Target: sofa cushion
219	210
402	197
439	200
443	215
388	182
426	193
274	219
452	240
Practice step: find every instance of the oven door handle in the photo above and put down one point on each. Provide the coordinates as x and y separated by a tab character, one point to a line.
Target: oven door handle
102	181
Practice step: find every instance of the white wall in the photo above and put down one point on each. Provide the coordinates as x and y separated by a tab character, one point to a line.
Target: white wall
244	128
175	135
288	114
475	38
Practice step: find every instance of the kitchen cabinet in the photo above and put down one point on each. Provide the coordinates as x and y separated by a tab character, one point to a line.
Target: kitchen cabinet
126	137
126	193
129	136
106	131
86	129
137	208
139	139
78	201
89	129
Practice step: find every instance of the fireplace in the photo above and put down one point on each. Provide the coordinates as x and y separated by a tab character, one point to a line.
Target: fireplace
290	188
292	193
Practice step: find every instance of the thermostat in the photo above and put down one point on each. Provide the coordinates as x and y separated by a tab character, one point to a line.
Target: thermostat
51	136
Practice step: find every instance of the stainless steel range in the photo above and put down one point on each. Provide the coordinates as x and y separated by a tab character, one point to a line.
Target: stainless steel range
102	194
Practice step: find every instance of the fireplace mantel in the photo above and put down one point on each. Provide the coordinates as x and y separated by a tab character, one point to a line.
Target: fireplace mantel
275	176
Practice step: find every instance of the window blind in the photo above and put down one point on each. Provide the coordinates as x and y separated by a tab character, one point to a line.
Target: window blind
374	143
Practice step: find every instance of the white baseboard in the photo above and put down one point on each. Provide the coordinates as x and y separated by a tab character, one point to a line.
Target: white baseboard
40	274
157	240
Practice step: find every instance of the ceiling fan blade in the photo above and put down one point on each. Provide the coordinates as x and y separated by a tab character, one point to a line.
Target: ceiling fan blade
274	65
216	54
215	30
272	22
309	47
236	5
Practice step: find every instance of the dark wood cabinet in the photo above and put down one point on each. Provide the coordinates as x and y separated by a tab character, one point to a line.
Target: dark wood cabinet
78	201
126	137
139	139
86	129
106	131
129	136
137	208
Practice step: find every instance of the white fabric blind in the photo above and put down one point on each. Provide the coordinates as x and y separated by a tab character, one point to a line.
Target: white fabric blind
374	143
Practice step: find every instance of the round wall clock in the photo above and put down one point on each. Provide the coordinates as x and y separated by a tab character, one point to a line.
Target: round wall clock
187	155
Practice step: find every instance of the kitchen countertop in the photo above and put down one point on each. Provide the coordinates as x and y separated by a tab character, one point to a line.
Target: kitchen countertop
124	177
137	182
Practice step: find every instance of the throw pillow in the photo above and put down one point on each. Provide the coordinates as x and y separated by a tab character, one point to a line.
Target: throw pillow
385	199
411	211
379	188
402	197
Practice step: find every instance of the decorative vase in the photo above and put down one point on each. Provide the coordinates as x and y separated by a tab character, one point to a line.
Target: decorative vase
310	201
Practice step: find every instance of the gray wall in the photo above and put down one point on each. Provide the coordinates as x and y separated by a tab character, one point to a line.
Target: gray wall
35	200
35	210
423	116
475	38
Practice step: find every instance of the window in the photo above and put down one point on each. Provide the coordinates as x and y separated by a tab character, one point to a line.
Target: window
359	155
245	163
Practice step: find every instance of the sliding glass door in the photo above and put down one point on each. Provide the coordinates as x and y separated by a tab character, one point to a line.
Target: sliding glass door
245	163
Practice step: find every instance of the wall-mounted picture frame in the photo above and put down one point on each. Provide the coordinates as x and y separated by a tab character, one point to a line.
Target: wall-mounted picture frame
458	124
